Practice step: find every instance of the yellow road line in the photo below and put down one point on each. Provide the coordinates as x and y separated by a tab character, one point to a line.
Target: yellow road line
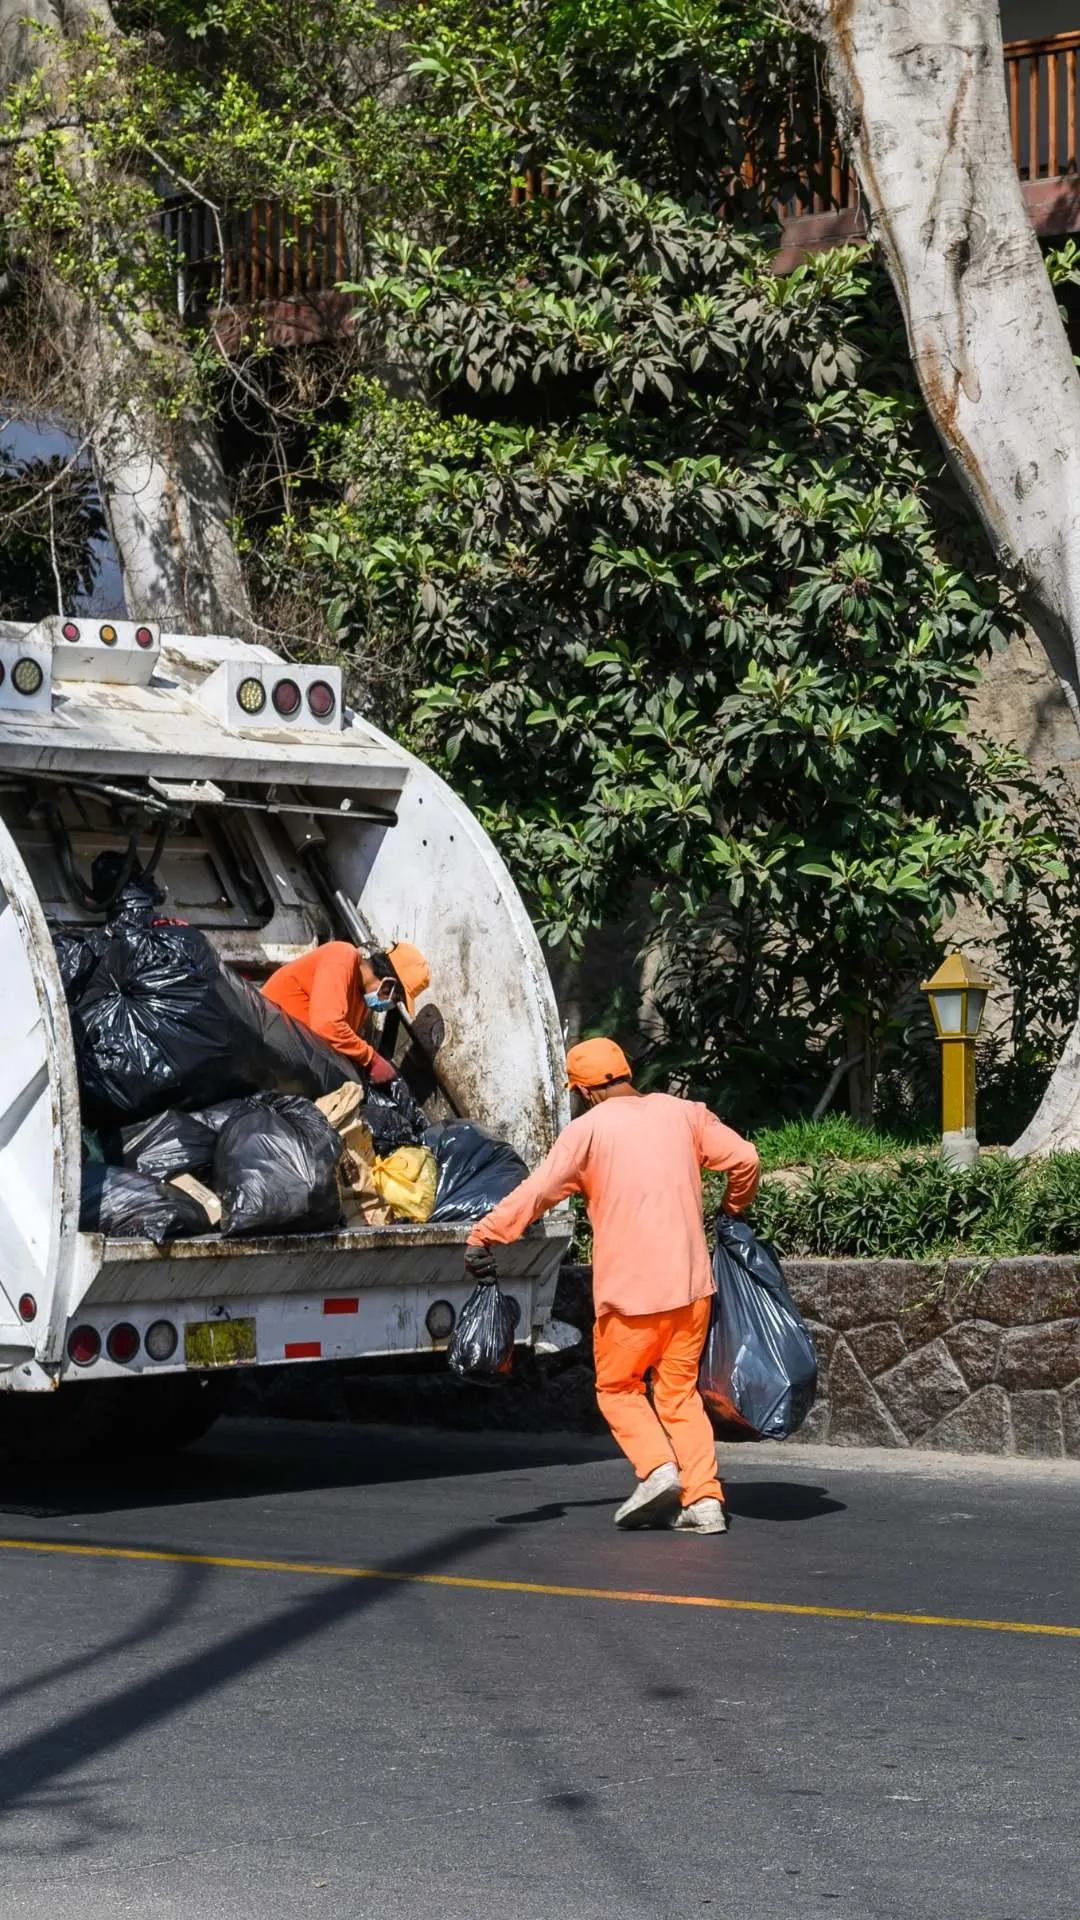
327	1570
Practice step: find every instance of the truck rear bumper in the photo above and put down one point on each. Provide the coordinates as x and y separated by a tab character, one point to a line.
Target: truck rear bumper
341	1296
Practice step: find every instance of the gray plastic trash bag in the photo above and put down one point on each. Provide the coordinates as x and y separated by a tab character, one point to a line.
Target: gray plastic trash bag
759	1368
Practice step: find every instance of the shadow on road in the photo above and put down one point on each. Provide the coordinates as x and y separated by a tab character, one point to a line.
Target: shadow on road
253	1458
752	1500
31	1766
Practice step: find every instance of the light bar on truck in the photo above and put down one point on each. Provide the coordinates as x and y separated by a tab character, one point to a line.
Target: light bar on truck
25	676
278	696
121	651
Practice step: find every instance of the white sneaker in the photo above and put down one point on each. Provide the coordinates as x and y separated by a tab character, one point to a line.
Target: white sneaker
702	1516
653	1500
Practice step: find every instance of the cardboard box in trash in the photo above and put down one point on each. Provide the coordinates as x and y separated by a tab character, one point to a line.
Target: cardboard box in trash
374	1192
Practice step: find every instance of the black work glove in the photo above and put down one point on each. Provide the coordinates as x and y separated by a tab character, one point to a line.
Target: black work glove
480	1266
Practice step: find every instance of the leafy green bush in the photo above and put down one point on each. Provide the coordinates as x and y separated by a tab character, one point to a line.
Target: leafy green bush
920	1208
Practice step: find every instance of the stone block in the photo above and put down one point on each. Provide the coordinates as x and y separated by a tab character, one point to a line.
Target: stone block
980	1425
1070	1420
1016	1293
808	1283
975	1345
815	1428
1042	1356
1037	1424
862	1292
878	1347
925	1386
824	1339
857	1417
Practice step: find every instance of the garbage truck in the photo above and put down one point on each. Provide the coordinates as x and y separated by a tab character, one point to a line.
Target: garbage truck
275	817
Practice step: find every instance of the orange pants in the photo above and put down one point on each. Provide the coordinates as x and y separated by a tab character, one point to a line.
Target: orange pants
676	1426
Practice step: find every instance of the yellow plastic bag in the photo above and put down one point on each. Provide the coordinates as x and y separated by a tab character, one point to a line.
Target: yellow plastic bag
406	1181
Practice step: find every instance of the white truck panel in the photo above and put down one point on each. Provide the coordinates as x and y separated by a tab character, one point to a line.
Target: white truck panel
432	877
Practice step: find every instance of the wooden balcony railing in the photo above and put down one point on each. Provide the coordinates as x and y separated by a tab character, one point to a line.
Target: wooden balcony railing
266	253
269	255
1041	82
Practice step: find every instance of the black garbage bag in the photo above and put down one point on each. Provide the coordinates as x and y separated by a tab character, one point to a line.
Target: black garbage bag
395	1118
78	954
759	1368
476	1170
171	1142
130	1206
483	1341
162	1022
275	1168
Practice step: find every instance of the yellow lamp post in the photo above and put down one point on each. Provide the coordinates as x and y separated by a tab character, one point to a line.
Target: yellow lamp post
957	994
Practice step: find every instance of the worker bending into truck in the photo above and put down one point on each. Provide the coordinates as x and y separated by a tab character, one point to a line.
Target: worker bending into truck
336	989
637	1159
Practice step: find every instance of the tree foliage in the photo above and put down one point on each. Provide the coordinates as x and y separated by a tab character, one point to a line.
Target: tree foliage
695	613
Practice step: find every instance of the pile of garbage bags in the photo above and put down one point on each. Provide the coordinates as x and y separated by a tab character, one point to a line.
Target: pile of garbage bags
206	1109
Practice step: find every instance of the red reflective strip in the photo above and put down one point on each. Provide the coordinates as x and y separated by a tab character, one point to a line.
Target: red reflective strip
341	1306
303	1349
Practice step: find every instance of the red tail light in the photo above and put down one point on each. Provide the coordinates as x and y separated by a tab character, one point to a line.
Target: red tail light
321	699
144	637
69	630
286	698
123	1343
27	1307
84	1346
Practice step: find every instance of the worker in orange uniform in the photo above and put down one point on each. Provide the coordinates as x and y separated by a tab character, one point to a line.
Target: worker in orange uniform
335	989
637	1159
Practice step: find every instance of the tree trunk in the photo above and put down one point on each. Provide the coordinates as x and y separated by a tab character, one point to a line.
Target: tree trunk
919	94
158	469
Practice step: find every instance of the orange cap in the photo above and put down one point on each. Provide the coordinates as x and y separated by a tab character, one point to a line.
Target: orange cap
596	1063
412	970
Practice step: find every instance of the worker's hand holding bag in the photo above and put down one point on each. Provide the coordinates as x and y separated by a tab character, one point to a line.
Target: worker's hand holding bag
483	1342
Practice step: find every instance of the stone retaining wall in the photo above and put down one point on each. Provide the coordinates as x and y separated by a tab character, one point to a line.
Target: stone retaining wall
972	1356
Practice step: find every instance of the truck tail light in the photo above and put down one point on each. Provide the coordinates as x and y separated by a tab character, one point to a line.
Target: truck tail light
27	1307
27	676
161	1340
108	635
123	1343
440	1319
144	637
69	630
84	1346
321	700
286	698
251	695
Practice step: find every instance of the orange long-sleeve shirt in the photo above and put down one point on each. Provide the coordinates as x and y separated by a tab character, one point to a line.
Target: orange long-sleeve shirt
637	1163
324	990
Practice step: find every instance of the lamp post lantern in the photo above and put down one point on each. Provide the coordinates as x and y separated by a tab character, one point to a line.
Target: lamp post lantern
957	994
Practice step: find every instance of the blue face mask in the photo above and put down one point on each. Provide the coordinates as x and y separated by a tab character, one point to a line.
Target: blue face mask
377	1003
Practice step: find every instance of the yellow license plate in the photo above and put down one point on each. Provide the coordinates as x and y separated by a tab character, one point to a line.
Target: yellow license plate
219	1343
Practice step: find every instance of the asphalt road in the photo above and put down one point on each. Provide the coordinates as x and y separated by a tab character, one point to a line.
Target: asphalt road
224	1742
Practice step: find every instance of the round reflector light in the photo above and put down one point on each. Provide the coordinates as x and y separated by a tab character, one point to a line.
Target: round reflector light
161	1340
123	1343
108	634
440	1319
321	700
27	1307
27	676
251	696
84	1346
286	698
69	630
144	637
